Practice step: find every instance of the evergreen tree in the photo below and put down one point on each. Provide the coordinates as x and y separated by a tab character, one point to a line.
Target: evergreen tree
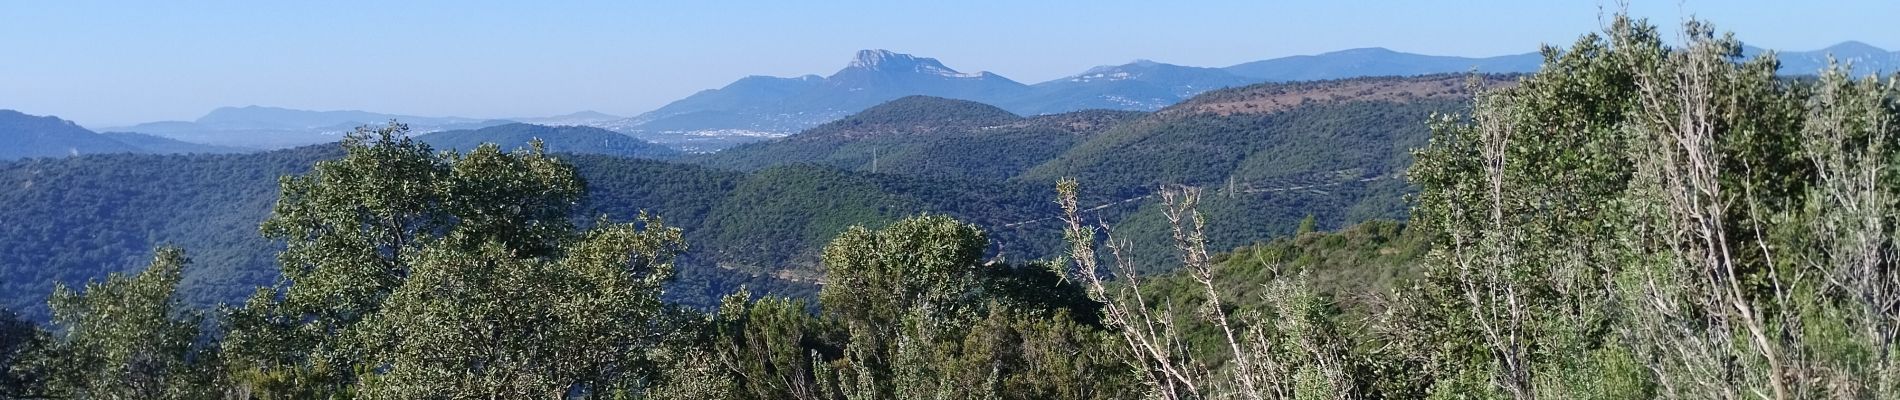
22	343
1638	220
409	272
128	337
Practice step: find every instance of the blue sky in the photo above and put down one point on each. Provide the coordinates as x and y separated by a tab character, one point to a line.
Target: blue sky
111	63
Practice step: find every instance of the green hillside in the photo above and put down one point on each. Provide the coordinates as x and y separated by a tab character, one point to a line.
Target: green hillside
1268	134
927	136
77	218
73	219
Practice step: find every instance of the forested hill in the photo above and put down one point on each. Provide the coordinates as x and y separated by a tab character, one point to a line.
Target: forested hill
27	136
927	136
78	218
1325	130
1269	154
23	136
558	139
1275	152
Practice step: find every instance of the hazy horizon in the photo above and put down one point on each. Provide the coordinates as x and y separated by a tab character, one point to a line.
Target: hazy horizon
106	65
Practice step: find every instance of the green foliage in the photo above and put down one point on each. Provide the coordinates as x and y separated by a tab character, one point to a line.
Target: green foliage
84	217
1640	221
930	261
771	346
488	321
1324	141
1636	221
790	210
22	345
128	337
1510	224
1336	156
909	311
448	274
1355	266
354	226
80	218
910	282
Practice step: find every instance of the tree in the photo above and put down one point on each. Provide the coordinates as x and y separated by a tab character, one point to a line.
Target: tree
1286	349
128	338
489	323
769	347
416	272
898	291
909	311
1641	220
23	345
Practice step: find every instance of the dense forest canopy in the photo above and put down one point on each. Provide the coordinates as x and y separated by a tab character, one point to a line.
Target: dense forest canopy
1635	220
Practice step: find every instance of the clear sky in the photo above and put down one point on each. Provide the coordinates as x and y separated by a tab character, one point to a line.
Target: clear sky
116	63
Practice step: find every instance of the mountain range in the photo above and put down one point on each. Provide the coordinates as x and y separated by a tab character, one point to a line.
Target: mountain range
763	107
27	136
263	128
1864	58
758	108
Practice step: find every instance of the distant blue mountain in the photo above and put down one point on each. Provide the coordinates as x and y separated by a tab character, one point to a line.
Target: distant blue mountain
1142	85
274	128
760	107
1378	62
23	136
762	104
1864	58
26	136
756	108
258	117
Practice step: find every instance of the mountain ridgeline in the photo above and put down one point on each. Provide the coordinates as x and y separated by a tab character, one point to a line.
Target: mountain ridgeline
26	136
757	108
763	105
263	128
927	136
760	106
